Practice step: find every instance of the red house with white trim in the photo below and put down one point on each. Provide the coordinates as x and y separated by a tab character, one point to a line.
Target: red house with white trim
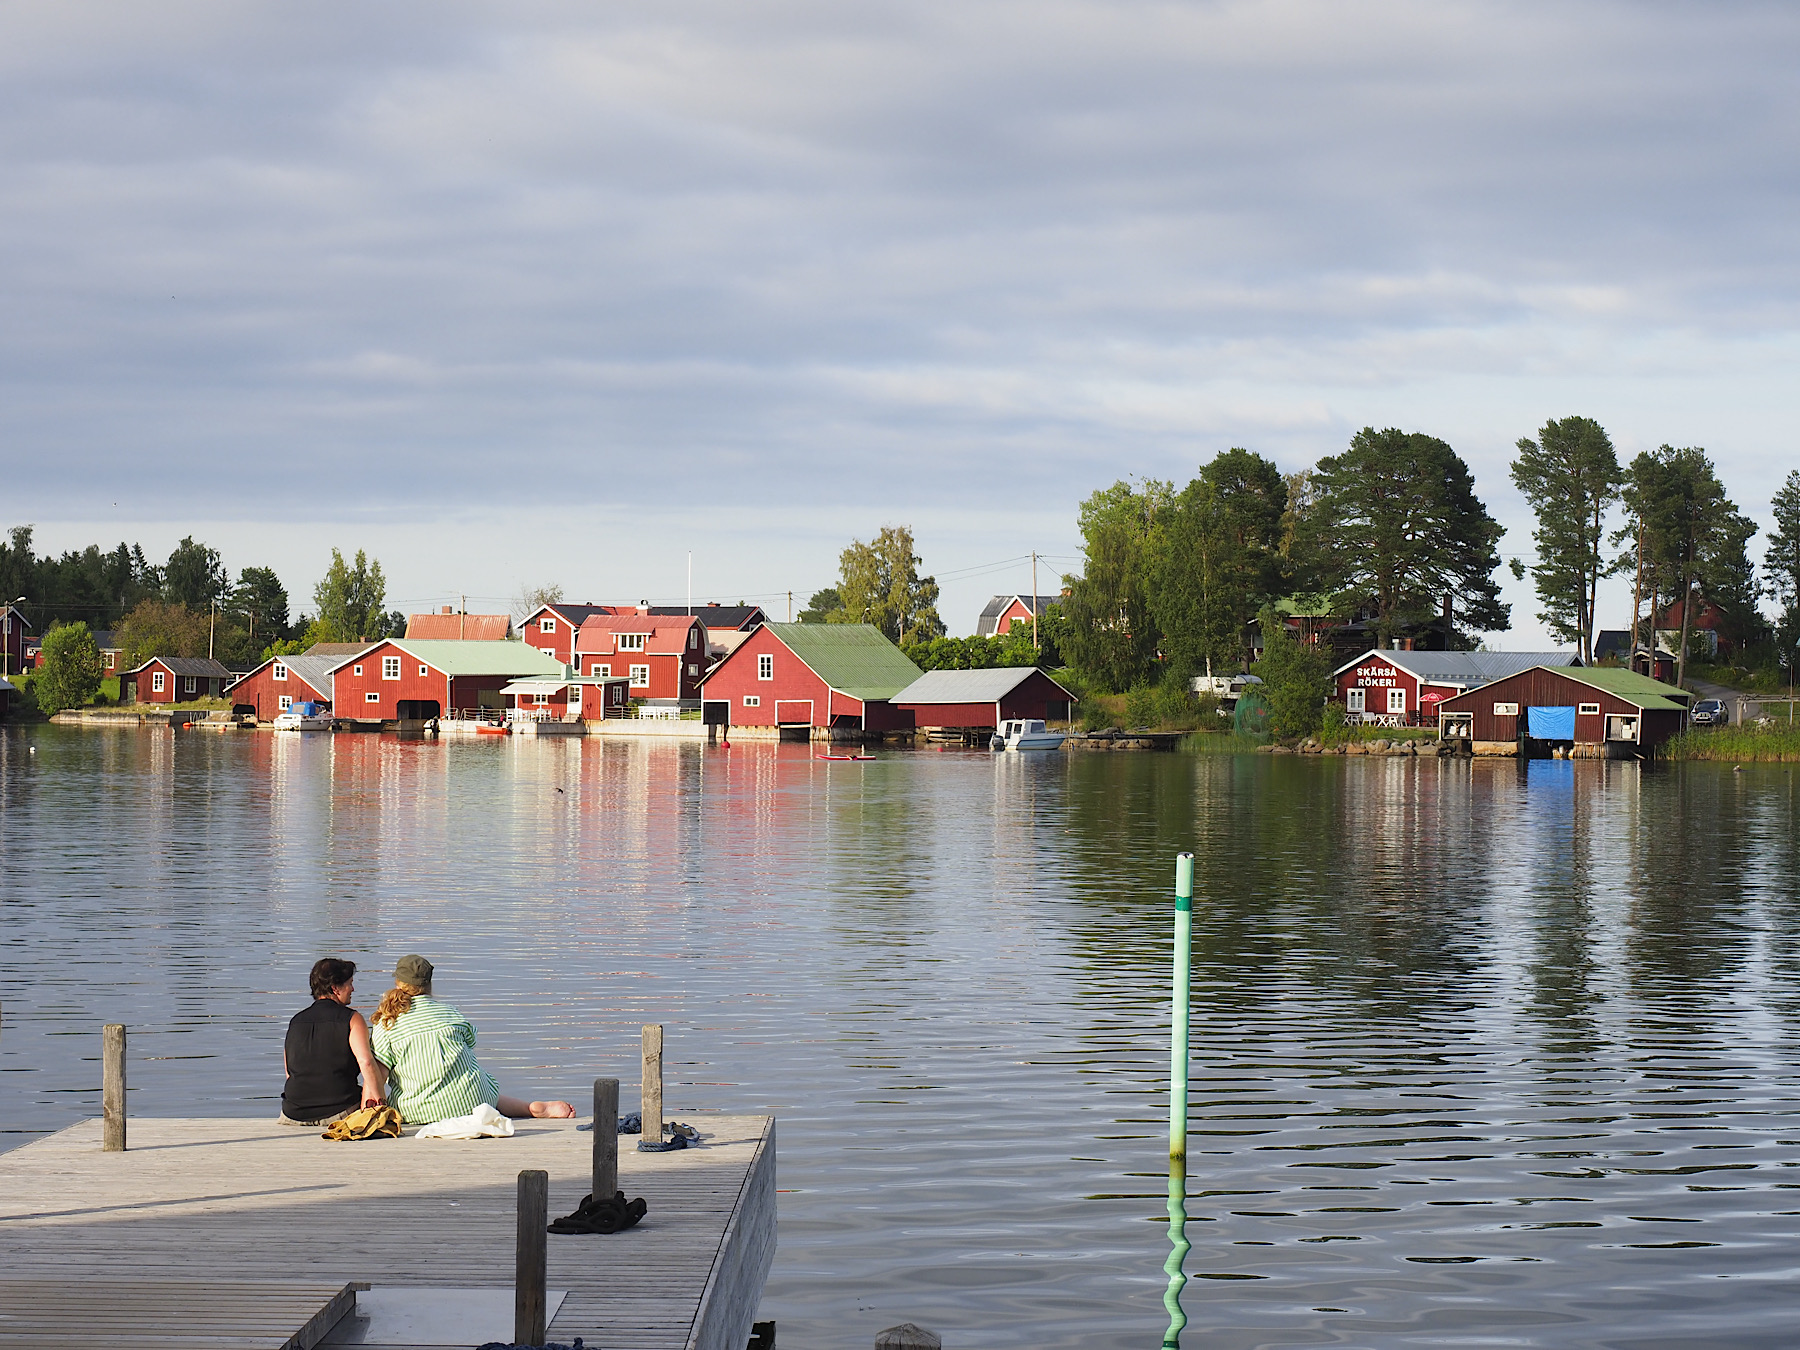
1401	688
279	683
843	676
173	679
663	655
402	678
1003	611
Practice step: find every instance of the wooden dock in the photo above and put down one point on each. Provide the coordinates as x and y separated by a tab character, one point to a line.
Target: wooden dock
211	1228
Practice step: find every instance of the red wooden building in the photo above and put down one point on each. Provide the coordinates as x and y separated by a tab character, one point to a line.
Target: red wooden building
173	679
983	698
664	656
552	628
1605	710
403	678
14	631
812	675
277	684
1403	688
1003	611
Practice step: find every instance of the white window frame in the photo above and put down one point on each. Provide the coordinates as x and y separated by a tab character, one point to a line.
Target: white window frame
693	670
765	665
1587	710
753	700
278	671
1396	700
390	667
424	670
372	697
540	700
602	669
356	670
640	677
284	702
548	651
631	642
1353	700
156	682
1506	710
547	624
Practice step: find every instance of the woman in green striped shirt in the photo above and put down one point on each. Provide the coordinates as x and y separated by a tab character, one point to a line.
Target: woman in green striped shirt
429	1050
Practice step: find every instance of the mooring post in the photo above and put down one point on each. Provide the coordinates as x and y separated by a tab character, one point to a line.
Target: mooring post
906	1336
651	1093
1178	1099
112	1093
606	1138
529	1274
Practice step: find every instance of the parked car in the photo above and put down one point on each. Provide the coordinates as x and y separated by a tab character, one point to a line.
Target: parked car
1710	712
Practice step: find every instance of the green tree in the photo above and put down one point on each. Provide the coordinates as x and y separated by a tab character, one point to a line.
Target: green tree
1296	679
1110	637
1571	476
155	628
1781	563
1215	560
820	607
351	599
69	670
263	601
1687	523
194	576
879	583
1401	532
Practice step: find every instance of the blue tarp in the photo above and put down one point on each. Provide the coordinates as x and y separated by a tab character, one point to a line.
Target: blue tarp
1551	724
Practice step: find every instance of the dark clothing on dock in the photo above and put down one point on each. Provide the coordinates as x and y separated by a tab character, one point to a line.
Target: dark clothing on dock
321	1069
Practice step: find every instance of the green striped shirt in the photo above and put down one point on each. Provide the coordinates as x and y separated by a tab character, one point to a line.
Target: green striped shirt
430	1054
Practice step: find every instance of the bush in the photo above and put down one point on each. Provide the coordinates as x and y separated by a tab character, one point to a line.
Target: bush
70	669
1334	724
1141	706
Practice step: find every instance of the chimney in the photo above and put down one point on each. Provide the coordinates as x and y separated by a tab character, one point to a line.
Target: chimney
643	607
448	609
712	604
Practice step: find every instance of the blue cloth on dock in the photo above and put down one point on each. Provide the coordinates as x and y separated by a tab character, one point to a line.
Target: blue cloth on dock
1550	724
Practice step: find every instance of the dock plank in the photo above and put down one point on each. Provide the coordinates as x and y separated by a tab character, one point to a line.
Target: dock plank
259	1202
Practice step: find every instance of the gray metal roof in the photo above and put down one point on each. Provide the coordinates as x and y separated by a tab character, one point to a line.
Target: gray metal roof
965	686
188	665
1465	668
315	670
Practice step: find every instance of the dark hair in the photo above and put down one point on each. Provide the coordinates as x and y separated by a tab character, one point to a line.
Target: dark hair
329	973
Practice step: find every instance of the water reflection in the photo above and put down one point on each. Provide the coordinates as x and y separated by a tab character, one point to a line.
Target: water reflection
1482	1052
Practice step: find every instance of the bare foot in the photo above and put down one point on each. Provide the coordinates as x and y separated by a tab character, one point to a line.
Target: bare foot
552	1110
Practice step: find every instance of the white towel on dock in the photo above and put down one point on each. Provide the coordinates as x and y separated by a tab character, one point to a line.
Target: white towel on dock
484	1122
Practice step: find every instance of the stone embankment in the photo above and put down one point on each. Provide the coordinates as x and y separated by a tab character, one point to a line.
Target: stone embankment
1114	739
1394	749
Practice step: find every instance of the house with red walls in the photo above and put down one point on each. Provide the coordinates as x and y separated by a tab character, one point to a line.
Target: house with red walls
173	679
404	678
811	675
983	698
1003	611
279	683
663	655
1403	688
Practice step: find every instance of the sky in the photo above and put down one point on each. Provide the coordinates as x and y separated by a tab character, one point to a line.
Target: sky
552	293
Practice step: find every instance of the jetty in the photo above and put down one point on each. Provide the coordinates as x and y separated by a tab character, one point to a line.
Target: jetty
216	1234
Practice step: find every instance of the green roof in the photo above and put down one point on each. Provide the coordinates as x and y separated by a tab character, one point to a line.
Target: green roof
1313	606
853	658
455	657
1630	686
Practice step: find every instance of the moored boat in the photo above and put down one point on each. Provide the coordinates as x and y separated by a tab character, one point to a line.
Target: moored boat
304	717
1025	733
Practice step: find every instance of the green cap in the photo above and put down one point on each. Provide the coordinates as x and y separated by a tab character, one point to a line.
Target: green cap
413	970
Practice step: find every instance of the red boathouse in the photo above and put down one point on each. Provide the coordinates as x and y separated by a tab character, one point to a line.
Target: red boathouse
796	675
983	698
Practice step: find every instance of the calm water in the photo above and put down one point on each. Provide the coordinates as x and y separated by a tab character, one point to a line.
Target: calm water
1485	1055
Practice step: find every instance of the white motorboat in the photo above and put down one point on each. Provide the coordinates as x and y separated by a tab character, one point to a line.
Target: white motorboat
1025	734
304	717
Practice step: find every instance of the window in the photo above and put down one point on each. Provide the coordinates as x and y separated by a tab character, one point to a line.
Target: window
631	642
285	702
753	700
541	700
1506	710
1589	709
371	697
156	681
693	638
107	660
424	669
278	671
390	667
356	670
765	667
693	669
547	624
547	651
1396	700
640	677
1353	700
601	668
190	684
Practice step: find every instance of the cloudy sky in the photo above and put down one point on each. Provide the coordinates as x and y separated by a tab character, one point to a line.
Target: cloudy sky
526	293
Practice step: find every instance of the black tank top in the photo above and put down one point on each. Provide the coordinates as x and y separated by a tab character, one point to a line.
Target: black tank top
322	1072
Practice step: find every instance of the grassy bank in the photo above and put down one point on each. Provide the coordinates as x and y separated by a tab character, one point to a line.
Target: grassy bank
1736	744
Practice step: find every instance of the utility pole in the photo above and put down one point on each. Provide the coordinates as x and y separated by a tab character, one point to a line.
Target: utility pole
690	583
462	617
1034	603
211	620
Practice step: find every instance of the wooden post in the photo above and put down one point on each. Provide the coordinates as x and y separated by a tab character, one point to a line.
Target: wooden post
606	1138
112	1096
906	1336
529	1273
651	1096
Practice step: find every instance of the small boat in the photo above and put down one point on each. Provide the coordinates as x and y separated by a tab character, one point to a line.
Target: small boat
492	729
304	717
1024	733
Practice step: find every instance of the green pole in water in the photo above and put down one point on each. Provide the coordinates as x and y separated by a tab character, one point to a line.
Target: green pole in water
1178	1101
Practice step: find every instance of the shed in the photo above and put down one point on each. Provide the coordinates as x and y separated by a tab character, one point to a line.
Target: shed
982	698
1603	712
811	675
173	679
400	678
280	682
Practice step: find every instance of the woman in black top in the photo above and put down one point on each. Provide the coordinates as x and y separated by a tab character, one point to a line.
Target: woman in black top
327	1044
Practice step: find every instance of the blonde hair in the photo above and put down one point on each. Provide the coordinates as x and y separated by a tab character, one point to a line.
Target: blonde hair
397	1002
